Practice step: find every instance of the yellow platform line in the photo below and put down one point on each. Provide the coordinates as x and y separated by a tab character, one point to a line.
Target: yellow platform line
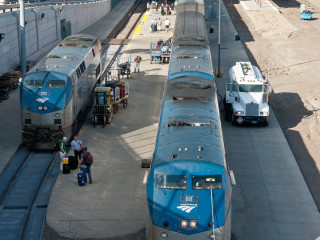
138	29
155	35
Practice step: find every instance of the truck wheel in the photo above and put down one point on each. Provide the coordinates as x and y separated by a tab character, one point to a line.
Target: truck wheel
125	103
115	108
233	121
109	119
227	112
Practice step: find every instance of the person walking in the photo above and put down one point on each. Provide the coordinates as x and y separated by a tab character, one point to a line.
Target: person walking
137	61
167	24
63	152
85	163
76	146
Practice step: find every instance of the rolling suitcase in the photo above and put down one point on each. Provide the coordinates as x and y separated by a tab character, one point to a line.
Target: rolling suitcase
81	180
73	162
66	168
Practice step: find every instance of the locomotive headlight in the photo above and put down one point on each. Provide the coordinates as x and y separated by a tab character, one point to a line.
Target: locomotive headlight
164	235
212	236
57	115
45	108
28	115
184	223
40	108
193	224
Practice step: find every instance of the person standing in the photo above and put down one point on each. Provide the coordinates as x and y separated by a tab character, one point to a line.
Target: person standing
159	23
137	61
148	6
85	163
167	24
76	146
63	152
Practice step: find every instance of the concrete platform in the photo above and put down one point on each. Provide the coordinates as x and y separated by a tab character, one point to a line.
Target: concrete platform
115	203
271	199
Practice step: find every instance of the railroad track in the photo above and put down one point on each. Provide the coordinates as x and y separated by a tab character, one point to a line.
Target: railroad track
120	36
25	189
28	179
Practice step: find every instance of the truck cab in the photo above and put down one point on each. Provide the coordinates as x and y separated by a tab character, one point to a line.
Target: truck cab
247	95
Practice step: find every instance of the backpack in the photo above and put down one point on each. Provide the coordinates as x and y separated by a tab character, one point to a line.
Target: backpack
88	159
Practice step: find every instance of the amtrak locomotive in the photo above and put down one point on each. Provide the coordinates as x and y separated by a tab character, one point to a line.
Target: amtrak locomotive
56	89
189	185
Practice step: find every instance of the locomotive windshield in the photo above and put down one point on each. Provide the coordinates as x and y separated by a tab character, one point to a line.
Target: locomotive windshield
32	83
250	88
200	182
172	181
55	83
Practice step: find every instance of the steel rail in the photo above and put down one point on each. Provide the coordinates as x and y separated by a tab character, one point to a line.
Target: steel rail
121	28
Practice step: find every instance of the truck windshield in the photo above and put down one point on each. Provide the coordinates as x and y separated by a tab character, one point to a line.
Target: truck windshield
200	182
172	181
55	83
32	83
250	88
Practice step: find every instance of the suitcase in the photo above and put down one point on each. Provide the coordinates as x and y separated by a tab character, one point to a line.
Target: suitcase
66	168
154	27
81	180
73	162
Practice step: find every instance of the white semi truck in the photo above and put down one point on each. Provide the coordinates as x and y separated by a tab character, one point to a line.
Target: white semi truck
247	95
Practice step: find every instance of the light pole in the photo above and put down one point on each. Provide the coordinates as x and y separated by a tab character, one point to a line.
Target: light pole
219	73
22	38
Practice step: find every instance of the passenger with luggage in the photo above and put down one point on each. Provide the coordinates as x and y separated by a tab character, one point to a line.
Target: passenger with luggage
76	146
85	163
63	152
137	61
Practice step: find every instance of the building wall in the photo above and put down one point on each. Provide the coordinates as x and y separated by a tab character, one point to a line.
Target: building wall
43	29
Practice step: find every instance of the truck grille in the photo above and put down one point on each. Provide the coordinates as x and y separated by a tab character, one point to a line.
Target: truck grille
252	109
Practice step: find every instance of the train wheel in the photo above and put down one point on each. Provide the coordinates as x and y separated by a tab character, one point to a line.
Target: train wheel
116	108
125	103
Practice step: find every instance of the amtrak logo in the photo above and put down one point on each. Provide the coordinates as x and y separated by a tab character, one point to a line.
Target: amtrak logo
186	209
42	100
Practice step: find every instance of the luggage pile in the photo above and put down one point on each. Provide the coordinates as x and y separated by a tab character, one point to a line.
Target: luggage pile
8	82
71	163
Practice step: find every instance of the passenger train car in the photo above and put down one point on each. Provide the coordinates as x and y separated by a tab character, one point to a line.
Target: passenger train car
189	185
56	89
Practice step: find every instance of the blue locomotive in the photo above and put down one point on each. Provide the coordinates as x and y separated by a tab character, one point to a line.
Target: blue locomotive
56	89
189	185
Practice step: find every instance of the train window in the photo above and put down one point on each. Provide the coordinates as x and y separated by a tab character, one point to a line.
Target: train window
200	182
55	83
31	83
172	181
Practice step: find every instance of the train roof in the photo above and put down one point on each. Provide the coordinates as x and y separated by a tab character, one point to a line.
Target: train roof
189	127
190	1
68	55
